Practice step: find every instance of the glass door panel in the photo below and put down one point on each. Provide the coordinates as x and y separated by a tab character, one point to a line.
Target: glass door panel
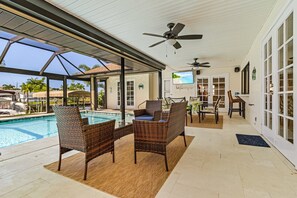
209	89
130	93
202	89
268	86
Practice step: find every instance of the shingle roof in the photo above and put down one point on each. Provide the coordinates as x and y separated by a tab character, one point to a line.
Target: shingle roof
110	66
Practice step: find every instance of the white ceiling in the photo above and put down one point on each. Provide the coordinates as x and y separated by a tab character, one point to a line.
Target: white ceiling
228	26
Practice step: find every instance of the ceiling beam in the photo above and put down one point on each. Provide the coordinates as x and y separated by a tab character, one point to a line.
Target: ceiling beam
36	73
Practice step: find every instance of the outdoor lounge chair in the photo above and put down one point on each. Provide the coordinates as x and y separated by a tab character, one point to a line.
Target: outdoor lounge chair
154	136
76	134
151	112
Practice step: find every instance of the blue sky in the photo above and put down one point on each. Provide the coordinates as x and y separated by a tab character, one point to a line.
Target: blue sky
25	57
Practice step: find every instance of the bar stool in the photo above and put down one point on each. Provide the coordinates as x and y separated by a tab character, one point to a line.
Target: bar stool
231	102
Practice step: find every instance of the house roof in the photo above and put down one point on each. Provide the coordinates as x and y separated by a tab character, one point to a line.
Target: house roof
108	67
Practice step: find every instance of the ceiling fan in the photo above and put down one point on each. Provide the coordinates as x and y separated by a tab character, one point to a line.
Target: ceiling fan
171	36
196	64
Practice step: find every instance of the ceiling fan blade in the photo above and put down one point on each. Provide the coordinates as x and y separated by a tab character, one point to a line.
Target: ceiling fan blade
156	35
177	45
204	65
153	45
190	63
190	37
178	28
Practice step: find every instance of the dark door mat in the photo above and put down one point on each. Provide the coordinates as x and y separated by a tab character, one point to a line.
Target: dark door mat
252	140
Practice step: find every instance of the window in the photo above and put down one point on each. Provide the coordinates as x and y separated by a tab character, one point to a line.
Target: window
245	80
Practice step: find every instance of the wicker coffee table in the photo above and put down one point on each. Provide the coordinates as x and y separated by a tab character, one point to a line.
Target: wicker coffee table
123	130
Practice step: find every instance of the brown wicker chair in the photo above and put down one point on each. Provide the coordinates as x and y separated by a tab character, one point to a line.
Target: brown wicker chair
75	134
151	112
154	136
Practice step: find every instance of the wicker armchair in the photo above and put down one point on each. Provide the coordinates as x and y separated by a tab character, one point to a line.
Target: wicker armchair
76	134
151	112
154	136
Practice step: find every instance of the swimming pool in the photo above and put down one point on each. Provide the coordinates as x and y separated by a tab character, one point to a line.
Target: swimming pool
22	130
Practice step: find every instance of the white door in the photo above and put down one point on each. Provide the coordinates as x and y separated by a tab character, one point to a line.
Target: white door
279	84
209	88
129	94
118	95
167	88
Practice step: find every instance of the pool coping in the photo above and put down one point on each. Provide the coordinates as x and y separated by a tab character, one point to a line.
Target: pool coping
51	114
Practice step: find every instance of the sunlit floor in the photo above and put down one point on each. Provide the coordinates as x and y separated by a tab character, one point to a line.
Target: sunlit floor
214	165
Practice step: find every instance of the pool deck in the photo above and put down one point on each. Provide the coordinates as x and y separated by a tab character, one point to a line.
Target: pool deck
213	166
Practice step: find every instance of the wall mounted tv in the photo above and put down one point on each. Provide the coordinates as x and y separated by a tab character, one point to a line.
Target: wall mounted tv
184	77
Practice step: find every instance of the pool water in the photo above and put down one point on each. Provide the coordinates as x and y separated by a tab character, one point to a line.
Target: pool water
22	130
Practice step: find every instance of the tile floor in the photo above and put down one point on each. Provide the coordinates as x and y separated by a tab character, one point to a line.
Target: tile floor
213	166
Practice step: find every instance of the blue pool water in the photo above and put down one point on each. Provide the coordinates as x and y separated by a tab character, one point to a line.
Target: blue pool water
28	129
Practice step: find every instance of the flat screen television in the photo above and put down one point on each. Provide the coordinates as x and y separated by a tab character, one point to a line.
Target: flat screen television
184	77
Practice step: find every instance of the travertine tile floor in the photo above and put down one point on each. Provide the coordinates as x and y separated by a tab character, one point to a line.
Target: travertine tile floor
214	165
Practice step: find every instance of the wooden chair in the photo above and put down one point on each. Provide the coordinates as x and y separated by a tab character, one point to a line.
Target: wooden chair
154	136
214	110
233	101
151	112
76	134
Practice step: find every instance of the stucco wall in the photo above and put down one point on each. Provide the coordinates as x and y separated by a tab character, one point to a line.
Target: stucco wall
254	57
140	94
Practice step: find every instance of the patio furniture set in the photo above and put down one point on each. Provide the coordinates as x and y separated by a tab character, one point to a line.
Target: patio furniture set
153	128
152	134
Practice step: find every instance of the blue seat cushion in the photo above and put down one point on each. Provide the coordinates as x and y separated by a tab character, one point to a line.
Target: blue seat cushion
145	117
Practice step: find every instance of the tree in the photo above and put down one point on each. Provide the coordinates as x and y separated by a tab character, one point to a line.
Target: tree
101	98
33	85
36	84
8	87
87	68
76	86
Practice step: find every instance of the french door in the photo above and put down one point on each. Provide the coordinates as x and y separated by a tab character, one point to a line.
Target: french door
279	85
209	88
129	94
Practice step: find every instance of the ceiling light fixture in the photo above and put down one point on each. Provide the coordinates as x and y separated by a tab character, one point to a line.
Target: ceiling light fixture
171	41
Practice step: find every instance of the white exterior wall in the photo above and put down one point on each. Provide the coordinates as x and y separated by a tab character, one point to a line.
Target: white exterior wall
254	57
140	94
190	90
